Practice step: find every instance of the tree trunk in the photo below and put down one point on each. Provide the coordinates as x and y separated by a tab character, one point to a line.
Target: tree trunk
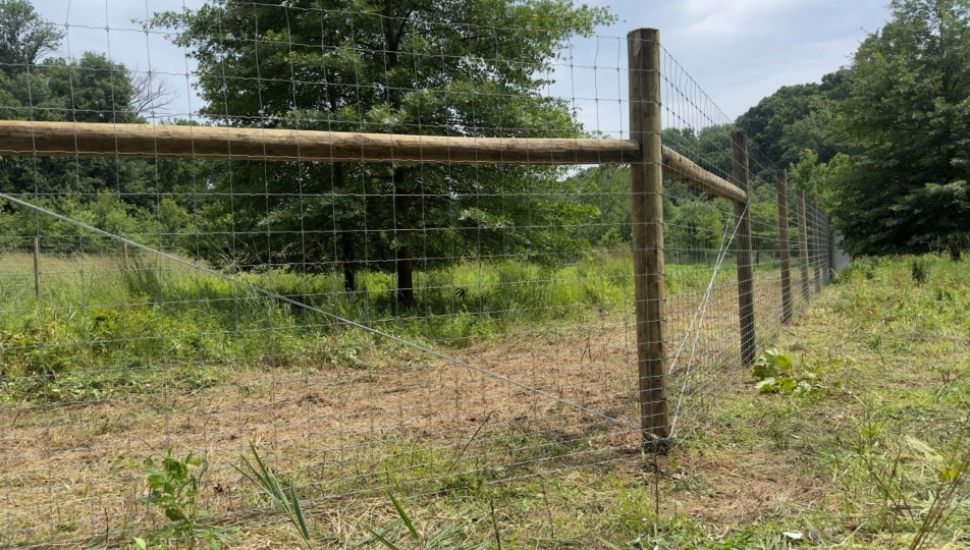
405	264
349	260
955	252
348	256
405	278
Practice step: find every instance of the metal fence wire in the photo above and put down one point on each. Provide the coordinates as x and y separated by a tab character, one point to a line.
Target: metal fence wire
389	253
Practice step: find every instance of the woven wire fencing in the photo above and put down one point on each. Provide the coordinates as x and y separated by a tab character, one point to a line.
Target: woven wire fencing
788	256
392	252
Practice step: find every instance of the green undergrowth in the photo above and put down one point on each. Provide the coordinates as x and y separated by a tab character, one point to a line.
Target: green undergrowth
856	442
99	329
854	446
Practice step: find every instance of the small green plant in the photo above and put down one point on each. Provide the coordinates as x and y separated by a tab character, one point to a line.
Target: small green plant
173	489
403	533
952	470
285	499
773	370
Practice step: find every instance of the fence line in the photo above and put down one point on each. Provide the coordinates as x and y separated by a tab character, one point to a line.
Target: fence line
597	400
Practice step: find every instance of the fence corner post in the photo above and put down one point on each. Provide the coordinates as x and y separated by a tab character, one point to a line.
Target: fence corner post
739	173
646	124
784	247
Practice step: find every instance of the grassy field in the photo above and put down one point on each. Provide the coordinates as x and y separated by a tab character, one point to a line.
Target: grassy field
857	461
99	329
854	457
860	459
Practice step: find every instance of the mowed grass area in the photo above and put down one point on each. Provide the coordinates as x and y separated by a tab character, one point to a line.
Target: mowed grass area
855	460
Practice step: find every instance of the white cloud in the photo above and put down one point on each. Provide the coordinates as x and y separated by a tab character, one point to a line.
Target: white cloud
720	18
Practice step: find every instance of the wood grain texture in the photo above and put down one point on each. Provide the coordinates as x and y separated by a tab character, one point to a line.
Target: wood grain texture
72	139
648	236
739	142
279	145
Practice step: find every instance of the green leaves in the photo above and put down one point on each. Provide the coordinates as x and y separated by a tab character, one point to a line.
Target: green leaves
285	498
173	488
771	363
905	119
384	68
773	370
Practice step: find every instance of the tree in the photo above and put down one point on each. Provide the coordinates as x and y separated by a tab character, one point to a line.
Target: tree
453	67
796	118
907	119
24	36
89	89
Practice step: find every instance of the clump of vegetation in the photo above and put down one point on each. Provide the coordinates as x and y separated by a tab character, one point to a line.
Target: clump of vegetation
773	371
98	328
282	495
405	533
174	487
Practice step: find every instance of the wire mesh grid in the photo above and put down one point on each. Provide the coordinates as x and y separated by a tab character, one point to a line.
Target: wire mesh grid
410	326
702	243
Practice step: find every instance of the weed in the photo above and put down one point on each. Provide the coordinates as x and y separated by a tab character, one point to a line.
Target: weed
404	532
918	271
173	489
285	499
773	370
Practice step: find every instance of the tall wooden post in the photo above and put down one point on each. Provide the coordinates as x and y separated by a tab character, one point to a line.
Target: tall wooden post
739	173
816	247
803	246
648	237
784	247
124	255
831	247
37	265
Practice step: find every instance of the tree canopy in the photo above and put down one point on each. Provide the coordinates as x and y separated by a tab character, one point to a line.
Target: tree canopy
907	122
445	67
885	142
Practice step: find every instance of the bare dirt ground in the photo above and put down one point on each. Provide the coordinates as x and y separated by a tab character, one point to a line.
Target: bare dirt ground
69	471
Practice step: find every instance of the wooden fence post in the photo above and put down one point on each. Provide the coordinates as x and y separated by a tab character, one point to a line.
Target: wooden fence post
124	255
817	254
830	243
37	265
739	173
648	238
803	246
784	247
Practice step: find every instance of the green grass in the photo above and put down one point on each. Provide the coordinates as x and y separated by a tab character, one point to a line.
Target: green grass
98	329
855	463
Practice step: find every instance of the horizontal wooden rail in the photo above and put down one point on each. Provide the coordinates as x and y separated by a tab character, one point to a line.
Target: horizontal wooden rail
70	139
280	145
679	167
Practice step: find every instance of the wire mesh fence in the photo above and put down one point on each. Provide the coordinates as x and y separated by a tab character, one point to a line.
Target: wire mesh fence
441	299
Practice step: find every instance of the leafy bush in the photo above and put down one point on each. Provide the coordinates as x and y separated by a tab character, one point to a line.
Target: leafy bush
773	370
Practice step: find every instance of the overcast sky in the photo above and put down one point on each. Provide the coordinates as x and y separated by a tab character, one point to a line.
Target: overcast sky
738	51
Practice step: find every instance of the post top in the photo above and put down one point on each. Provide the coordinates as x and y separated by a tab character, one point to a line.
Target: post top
646	34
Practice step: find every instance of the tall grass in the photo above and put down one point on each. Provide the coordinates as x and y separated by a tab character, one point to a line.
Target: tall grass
96	317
